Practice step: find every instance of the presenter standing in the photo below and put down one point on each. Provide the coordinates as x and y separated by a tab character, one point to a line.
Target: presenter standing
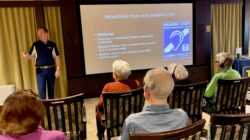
47	62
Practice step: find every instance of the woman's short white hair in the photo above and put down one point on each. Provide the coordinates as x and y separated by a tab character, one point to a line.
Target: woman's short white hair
159	82
224	58
121	69
178	70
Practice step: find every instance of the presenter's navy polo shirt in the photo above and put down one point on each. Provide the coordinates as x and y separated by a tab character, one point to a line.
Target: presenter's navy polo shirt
44	53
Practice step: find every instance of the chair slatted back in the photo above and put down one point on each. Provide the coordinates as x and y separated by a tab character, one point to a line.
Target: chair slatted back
117	106
231	95
189	98
192	131
67	115
230	126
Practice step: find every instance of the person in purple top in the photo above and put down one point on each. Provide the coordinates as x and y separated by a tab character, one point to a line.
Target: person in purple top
20	118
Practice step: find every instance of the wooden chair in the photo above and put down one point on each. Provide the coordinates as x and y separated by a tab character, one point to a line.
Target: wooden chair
248	96
67	115
189	98
230	127
192	131
117	106
231	96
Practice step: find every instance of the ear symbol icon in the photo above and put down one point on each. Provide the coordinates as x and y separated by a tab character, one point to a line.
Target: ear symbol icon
181	36
171	45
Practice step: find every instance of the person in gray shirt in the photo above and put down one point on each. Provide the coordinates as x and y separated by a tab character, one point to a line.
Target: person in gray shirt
156	115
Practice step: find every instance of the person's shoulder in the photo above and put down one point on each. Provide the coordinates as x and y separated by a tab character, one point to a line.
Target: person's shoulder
179	112
182	115
53	135
218	75
111	84
232	74
38	42
51	43
2	137
235	71
108	86
133	118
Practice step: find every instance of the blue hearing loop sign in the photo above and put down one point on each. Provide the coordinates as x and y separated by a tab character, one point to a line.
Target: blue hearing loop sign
176	39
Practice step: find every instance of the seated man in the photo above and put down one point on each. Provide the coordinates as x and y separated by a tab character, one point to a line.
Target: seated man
156	115
223	65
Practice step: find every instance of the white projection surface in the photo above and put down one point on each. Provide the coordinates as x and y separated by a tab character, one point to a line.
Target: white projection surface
144	35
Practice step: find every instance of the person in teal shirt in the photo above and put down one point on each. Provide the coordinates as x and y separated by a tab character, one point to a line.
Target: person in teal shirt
224	62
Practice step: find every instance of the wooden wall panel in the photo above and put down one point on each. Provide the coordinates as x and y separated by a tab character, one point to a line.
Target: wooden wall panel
71	39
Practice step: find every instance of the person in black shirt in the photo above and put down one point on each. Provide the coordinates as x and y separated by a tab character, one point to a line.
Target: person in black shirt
47	62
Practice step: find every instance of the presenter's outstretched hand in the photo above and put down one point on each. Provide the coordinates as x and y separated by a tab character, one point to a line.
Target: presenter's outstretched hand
25	54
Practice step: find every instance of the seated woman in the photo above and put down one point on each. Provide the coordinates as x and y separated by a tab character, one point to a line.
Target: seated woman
223	65
20	119
121	71
179	73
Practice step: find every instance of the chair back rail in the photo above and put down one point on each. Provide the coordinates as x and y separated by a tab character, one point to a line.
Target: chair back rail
67	115
189	98
192	131
231	95
230	126
118	106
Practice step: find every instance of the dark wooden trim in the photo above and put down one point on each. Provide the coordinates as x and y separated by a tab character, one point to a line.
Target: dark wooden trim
229	119
40	19
226	1
29	3
71	32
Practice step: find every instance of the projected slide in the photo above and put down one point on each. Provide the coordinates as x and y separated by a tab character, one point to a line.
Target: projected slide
145	35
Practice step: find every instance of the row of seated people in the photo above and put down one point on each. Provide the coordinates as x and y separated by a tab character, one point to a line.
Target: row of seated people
158	90
23	112
121	72
158	84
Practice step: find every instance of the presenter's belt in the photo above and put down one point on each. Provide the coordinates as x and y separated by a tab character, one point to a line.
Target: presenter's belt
45	67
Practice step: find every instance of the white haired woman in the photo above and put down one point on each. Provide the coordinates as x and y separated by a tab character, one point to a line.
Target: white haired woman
121	71
179	73
223	65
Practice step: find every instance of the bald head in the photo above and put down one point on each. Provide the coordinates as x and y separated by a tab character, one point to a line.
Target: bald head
159	83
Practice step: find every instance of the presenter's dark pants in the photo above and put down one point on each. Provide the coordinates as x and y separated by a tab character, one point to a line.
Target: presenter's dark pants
45	76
